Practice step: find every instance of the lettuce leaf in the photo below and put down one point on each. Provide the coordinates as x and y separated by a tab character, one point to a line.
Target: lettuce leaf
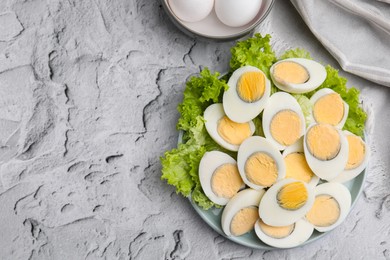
306	106
296	53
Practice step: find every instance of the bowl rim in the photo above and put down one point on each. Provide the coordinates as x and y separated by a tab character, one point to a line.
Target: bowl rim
195	34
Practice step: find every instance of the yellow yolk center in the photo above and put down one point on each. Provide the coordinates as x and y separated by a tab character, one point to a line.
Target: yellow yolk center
357	151
276	232
290	72
251	86
292	196
286	127
244	221
261	169
323	141
329	109
226	181
325	211
297	167
232	132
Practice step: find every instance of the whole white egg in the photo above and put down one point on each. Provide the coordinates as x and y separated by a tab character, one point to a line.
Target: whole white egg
283	120
237	13
248	93
223	131
286	236
297	75
331	206
286	202
241	213
191	10
219	177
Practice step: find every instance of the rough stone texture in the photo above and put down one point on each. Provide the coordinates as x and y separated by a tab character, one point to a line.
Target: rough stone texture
88	96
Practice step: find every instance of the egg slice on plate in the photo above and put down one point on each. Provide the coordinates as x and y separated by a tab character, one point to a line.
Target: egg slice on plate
331	206
259	162
296	164
248	93
283	120
329	108
358	156
191	10
224	131
326	150
237	13
286	202
297	75
219	177
284	236
241	213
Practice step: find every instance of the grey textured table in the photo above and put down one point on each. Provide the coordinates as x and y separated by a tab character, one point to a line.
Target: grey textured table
88	96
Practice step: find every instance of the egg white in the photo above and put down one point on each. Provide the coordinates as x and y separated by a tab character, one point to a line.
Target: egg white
243	199
329	169
317	75
321	93
212	115
235	108
278	102
274	215
301	233
258	144
342	195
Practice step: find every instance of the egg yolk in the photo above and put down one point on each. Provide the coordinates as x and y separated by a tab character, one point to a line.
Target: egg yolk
297	167
323	141
244	220
292	196
357	151
290	72
286	127
251	86
226	181
261	169
325	211
329	109
276	232
232	132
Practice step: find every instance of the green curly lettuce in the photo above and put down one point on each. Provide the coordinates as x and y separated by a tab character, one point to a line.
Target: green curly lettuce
296	53
306	106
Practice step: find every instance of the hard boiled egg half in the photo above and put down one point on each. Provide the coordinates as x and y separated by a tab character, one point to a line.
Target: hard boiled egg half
331	206
248	93
241	213
326	150
286	202
260	163
297	75
329	108
219	177
224	131
283	120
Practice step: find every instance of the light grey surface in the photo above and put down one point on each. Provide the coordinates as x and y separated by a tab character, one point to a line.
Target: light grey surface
88	96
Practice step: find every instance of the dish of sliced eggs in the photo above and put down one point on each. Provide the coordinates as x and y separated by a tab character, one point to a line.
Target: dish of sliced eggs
296	182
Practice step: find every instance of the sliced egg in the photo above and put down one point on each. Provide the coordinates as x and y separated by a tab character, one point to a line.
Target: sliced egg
283	120
219	177
296	164
329	108
191	10
358	156
224	131
284	236
331	206
326	150
248	93
241	213
237	13
286	202
259	162
297	75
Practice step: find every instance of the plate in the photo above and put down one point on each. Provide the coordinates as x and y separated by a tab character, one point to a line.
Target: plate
212	28
213	216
